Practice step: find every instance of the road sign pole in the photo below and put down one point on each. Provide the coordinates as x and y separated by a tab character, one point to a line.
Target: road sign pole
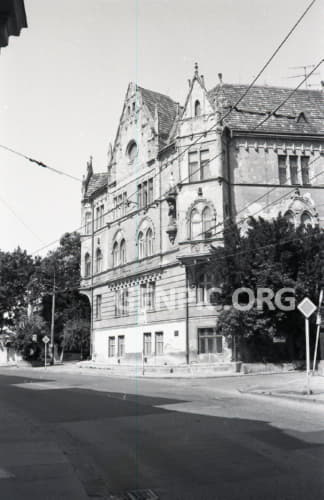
45	355
307	353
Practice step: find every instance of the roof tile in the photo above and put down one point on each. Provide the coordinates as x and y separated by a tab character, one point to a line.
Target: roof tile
261	100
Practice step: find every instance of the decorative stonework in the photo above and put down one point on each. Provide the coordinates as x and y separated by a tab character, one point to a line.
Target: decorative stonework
135	281
294	148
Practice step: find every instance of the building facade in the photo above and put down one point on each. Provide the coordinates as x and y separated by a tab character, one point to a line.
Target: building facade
176	175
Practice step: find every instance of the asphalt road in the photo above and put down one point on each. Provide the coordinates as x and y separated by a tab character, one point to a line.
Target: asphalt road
77	436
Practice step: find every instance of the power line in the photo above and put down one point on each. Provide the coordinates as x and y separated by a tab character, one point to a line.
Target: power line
19	218
203	134
274	111
261	209
39	163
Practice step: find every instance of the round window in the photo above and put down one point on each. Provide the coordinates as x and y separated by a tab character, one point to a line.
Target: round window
132	150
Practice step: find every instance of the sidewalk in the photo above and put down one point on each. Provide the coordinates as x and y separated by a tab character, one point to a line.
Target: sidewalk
295	389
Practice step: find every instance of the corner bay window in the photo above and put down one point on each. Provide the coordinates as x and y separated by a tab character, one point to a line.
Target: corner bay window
198	165
202	223
209	342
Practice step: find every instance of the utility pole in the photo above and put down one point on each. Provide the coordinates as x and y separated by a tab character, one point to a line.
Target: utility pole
53	320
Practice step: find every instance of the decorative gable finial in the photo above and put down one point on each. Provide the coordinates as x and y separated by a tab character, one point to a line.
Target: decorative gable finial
110	153
87	177
196	70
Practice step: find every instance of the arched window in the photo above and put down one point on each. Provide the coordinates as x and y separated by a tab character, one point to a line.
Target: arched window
206	289
195	225
98	261
306	219
115	255
123	252
207	222
132	150
87	265
197	108
141	245
149	242
289	216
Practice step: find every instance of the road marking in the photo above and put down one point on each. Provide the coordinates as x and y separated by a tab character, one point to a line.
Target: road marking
43	386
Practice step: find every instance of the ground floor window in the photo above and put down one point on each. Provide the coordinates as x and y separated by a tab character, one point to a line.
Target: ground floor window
158	343
147	344
111	347
121	345
209	342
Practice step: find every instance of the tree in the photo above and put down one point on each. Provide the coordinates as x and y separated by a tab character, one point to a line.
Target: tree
62	267
29	334
16	269
275	255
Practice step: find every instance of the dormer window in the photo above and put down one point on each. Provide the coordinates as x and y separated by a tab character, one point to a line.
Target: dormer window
197	108
301	117
132	151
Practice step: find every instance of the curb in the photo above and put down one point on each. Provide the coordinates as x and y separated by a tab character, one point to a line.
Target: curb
300	399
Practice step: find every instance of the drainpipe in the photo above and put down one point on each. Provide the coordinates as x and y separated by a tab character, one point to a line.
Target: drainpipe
92	269
187	317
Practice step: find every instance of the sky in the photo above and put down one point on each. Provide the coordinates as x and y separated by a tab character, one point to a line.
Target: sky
63	82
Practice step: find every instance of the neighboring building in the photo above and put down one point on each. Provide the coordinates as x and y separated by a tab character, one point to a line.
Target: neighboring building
145	264
12	19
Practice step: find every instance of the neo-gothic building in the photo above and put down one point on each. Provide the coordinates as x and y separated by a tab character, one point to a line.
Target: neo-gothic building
175	176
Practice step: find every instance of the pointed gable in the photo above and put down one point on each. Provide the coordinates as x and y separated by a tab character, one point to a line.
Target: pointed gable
198	101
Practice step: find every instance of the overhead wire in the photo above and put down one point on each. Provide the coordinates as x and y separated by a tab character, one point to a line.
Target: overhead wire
38	162
203	134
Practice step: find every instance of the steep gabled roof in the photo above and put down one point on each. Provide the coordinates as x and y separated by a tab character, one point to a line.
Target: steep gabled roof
261	100
166	109
96	182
